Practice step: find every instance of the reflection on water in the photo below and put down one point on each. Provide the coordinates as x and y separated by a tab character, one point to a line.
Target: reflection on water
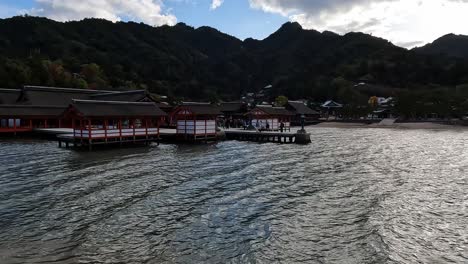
352	196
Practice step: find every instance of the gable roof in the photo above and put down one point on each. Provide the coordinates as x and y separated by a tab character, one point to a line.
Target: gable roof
30	111
126	96
301	109
331	104
93	108
274	111
9	96
54	96
200	109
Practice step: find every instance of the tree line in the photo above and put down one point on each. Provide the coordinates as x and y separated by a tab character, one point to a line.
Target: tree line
205	64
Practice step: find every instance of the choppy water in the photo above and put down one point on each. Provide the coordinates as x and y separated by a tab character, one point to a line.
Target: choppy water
352	196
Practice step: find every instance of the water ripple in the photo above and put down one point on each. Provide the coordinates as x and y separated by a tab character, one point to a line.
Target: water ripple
352	196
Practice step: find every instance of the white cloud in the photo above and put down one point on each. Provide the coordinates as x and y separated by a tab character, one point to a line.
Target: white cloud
147	11
406	23
216	3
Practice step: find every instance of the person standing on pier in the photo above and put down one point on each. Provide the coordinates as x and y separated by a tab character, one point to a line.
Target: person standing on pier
281	127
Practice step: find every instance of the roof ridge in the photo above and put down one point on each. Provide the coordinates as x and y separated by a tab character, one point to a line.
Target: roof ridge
31	106
118	93
111	102
62	89
195	103
9	90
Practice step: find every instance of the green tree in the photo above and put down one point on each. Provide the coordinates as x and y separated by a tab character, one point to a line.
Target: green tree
94	76
79	83
281	100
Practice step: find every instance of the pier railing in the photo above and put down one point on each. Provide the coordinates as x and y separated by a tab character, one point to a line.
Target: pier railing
114	133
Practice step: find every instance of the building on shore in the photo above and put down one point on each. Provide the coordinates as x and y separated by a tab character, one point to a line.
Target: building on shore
104	122
331	108
39	107
196	121
233	114
40	101
300	111
24	118
270	118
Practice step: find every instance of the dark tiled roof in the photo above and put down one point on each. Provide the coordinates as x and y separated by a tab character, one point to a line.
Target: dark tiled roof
232	107
92	108
165	107
332	104
38	95
9	96
30	111
301	109
274	111
201	109
127	96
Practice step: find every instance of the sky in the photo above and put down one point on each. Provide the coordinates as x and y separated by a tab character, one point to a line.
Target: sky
406	23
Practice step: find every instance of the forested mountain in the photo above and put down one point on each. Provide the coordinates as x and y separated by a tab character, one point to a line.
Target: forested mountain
204	63
450	45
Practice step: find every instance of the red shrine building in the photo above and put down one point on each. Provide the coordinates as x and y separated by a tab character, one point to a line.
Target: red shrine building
103	122
23	118
34	107
196	121
270	118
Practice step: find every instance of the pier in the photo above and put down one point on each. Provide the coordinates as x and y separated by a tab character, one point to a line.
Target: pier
268	136
66	137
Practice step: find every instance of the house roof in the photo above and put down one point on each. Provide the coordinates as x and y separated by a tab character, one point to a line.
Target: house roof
30	111
332	104
200	109
301	109
164	105
238	107
126	96
274	111
39	95
93	108
9	96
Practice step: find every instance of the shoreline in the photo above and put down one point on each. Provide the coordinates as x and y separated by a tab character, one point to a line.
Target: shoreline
409	125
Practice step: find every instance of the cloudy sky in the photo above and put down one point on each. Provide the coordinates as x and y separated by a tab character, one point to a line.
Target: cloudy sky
406	23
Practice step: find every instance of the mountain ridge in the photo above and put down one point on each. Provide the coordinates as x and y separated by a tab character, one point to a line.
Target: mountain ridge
450	45
204	63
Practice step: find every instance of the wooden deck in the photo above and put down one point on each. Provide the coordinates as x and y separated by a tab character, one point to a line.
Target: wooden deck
268	136
66	138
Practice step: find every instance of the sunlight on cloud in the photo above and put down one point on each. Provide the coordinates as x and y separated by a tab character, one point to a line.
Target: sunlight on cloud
216	3
147	11
406	23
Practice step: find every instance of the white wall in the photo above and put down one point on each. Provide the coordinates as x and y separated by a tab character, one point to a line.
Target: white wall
189	126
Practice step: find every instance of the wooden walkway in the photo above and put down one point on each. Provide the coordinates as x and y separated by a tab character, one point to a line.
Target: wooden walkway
267	136
65	136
